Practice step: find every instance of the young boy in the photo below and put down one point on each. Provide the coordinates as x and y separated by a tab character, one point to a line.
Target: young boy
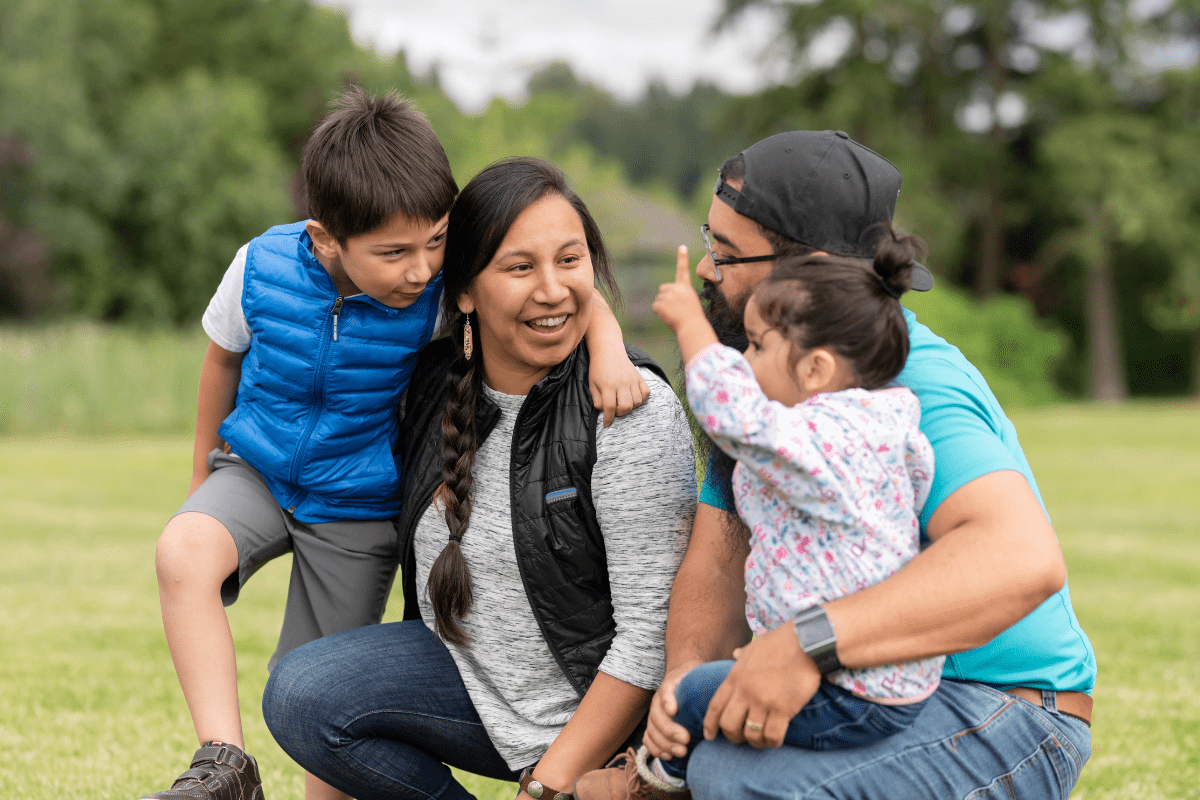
314	331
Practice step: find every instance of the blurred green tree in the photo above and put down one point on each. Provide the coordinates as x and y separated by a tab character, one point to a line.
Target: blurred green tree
205	177
155	136
50	74
1118	187
1116	154
988	107
673	140
926	83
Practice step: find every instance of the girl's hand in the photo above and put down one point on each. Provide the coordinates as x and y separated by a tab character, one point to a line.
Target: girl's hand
678	305
677	302
664	737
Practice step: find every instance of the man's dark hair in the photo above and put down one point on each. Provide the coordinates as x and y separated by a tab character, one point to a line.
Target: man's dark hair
371	158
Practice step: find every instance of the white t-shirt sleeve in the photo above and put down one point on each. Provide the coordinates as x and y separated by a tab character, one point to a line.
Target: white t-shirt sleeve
224	320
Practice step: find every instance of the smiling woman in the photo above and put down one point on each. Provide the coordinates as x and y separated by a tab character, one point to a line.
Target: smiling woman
538	547
538	292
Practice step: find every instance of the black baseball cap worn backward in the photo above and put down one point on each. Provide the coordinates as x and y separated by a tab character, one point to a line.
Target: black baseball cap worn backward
822	189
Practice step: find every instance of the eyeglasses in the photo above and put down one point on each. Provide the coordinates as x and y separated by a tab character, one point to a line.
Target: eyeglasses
722	262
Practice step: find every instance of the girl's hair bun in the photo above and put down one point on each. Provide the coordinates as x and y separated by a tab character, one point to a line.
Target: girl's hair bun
894	257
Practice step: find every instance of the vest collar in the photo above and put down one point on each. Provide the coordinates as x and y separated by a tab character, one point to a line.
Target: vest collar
540	397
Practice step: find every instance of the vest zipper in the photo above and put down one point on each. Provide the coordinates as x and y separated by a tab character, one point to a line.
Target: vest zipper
337	310
318	393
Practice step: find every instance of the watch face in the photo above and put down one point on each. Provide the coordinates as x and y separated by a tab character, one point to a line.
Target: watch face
817	639
818	632
813	629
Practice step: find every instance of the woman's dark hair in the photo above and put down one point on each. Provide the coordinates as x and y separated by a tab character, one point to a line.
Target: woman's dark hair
846	304
485	210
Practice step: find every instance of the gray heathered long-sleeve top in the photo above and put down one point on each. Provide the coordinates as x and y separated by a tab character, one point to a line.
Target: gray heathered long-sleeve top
644	490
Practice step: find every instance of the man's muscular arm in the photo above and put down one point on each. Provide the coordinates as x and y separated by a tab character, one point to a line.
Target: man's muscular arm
994	559
706	620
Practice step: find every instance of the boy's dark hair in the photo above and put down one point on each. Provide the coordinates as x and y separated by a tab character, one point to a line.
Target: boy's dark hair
845	304
371	158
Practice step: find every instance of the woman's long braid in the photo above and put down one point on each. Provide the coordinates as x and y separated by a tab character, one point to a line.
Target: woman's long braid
449	585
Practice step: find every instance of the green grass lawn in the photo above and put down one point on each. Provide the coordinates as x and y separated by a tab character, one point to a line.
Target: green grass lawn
1123	489
89	706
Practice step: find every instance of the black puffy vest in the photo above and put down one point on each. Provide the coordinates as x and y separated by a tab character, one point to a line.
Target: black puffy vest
559	546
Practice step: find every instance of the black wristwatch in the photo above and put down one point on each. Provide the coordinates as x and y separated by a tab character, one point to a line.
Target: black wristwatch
817	639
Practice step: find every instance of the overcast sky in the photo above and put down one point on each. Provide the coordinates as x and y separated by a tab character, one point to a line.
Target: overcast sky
486	48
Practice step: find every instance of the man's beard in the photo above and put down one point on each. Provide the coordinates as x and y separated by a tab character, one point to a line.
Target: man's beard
726	315
726	318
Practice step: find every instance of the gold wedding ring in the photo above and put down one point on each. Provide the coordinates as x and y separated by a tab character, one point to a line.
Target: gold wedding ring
753	726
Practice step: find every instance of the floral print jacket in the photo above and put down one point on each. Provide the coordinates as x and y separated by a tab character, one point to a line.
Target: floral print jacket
831	489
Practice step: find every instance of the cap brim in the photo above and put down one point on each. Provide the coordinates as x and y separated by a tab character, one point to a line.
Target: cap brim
922	278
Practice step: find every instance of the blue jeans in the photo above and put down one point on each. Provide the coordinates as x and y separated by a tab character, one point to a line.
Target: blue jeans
379	712
970	741
834	719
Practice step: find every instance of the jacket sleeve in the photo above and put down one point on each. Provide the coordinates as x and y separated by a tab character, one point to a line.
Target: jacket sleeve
805	452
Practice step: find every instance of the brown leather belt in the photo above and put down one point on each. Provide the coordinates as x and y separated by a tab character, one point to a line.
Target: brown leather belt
1074	704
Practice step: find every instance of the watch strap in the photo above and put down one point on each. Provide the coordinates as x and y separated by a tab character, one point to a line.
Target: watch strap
817	639
538	790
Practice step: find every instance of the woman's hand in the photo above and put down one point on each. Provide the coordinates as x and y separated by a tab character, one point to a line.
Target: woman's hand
769	684
548	792
607	715
678	305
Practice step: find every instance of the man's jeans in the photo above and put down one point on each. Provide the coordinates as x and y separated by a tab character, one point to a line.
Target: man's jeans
378	712
970	741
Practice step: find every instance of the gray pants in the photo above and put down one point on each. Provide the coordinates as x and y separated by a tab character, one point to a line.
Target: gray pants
341	571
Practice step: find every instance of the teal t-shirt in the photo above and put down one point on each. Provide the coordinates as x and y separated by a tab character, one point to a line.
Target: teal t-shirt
972	437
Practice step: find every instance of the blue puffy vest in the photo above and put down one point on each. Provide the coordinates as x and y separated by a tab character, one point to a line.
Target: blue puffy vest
316	405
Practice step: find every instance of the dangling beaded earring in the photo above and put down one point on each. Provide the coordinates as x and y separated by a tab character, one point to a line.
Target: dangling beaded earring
468	345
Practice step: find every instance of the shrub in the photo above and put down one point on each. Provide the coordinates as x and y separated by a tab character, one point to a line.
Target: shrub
1016	352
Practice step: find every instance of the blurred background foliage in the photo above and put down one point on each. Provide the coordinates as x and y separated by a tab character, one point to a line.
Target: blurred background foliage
1049	149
